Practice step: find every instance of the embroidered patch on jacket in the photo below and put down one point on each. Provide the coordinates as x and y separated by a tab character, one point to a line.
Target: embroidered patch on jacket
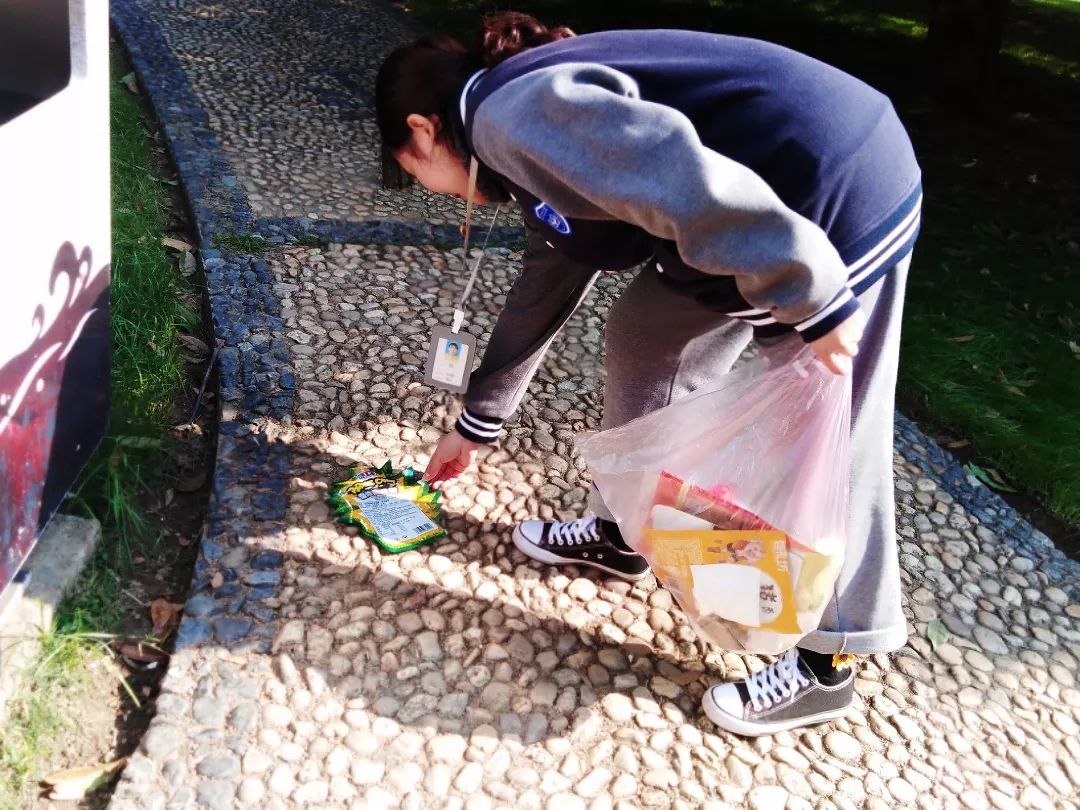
552	218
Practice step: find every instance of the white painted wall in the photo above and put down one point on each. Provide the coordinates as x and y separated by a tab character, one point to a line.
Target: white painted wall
54	202
54	181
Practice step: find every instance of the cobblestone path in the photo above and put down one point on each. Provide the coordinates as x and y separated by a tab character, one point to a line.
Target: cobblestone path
313	671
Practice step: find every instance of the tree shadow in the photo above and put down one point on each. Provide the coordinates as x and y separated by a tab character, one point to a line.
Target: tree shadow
468	633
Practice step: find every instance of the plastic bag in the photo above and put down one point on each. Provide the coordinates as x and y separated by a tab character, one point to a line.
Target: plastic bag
737	496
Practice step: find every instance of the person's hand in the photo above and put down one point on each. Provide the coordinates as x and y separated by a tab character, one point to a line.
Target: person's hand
838	348
453	455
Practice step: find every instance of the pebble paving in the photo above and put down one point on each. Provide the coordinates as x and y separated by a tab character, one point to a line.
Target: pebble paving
313	671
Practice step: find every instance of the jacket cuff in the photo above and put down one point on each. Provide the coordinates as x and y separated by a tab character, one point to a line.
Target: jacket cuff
478	428
842	307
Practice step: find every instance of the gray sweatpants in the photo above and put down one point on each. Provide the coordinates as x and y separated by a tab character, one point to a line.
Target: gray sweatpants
661	346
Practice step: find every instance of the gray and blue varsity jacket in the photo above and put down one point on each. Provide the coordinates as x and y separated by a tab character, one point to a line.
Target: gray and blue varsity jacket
766	185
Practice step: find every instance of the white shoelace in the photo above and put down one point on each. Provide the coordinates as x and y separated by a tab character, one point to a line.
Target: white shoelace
779	680
575	533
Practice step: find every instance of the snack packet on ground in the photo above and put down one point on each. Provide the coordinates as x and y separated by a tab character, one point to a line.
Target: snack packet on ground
395	509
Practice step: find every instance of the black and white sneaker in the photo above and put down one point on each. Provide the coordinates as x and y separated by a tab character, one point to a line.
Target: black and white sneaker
586	541
785	695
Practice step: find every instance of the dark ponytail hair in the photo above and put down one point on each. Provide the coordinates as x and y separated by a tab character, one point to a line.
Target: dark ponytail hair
426	77
510	32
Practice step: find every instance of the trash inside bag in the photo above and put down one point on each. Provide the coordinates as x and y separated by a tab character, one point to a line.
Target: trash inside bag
737	496
395	509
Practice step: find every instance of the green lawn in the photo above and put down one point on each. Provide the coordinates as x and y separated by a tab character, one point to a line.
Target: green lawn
991	348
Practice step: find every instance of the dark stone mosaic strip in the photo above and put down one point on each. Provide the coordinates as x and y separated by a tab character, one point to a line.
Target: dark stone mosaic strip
989	507
248	499
383	232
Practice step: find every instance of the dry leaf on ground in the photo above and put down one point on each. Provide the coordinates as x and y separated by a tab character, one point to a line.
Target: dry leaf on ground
165	616
176	244
188	268
193	344
140	652
73	784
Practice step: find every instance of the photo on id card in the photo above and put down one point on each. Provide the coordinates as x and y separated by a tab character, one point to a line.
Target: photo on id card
450	359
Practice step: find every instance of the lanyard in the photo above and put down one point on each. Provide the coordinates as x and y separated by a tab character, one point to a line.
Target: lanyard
470	194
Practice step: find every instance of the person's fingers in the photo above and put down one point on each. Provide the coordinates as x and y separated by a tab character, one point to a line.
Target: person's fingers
850	343
839	363
447	471
434	470
854	333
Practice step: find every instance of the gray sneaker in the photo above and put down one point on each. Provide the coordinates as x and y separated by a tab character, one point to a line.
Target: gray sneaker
585	541
783	696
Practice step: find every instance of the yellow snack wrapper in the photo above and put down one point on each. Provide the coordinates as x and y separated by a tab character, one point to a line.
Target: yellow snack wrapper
739	576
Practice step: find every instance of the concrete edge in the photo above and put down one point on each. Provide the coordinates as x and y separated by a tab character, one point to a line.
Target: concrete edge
46	577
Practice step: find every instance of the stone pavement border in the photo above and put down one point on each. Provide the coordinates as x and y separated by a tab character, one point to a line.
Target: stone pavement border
994	511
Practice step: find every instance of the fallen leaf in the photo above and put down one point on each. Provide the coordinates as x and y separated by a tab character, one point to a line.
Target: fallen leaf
217	580
183	540
130	83
176	244
188	267
937	633
963	339
73	784
1000	482
165	615
959	443
169	495
194	344
992	478
167	182
141	653
187	427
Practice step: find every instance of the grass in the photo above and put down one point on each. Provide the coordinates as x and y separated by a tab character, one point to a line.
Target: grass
246	243
147	316
991	348
308	240
38	720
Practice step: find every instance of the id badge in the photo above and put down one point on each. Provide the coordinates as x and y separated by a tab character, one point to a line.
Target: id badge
450	359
